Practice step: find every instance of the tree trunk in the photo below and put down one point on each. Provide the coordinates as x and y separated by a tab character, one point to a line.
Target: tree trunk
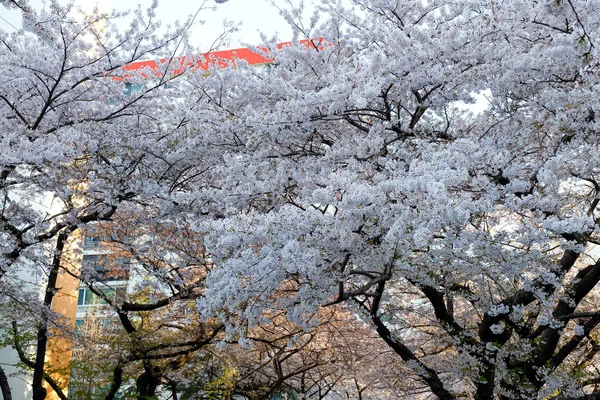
6	394
117	380
148	381
38	390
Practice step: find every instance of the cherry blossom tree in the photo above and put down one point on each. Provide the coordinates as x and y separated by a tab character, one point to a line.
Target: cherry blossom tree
354	171
83	137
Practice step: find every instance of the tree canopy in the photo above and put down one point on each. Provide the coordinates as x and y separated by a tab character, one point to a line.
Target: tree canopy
430	165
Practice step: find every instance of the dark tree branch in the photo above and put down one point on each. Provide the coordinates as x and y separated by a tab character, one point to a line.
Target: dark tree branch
38	391
585	280
116	383
25	360
424	372
4	386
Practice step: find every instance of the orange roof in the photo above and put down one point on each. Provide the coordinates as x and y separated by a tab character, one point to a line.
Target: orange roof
221	58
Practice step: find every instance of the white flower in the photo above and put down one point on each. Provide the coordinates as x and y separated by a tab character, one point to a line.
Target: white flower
497	328
579	330
498	309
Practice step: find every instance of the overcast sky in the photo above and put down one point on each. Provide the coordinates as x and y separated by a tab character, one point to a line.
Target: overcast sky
254	16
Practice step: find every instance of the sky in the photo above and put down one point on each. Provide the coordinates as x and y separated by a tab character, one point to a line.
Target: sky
253	16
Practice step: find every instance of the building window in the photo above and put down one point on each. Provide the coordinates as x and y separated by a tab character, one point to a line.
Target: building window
91	242
87	298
